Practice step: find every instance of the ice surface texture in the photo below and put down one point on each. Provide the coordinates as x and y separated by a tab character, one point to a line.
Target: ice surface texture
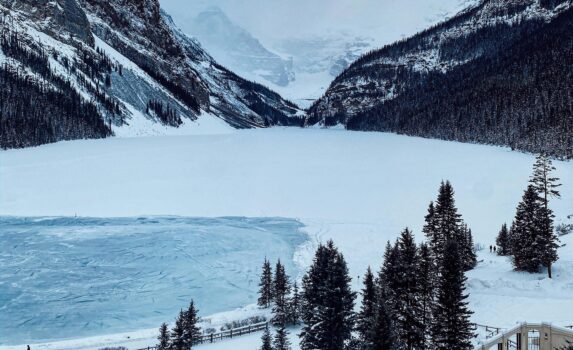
74	277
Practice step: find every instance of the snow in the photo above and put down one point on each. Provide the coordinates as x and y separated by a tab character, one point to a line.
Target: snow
359	189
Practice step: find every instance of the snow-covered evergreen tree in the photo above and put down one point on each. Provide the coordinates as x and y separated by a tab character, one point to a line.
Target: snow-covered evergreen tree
178	333
382	333
451	327
366	317
503	241
328	302
281	288
266	286
407	307
426	285
525	231
163	338
192	333
266	340
468	249
546	187
294	305
281	341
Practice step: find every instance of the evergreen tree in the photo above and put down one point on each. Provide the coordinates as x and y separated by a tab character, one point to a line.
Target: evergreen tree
426	284
192	331
294	306
366	317
451	327
266	340
503	241
266	286
390	273
280	292
328	302
281	339
430	230
178	333
526	253
382	334
546	187
164	343
407	308
468	249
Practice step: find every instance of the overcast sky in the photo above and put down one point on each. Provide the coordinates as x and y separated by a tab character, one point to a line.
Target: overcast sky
384	20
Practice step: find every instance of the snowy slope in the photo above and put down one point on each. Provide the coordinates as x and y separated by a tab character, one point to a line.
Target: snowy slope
316	39
359	189
121	56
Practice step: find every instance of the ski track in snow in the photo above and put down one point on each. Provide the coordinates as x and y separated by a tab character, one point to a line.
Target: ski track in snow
360	189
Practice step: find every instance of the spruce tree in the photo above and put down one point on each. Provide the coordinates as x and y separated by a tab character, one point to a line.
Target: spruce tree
366	317
294	305
281	341
280	292
466	242
426	285
163	338
266	286
382	334
407	308
192	331
451	327
546	187
328	302
178	333
503	241
266	340
526	253
430	230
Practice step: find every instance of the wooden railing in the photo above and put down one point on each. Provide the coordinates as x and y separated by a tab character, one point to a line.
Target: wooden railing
227	334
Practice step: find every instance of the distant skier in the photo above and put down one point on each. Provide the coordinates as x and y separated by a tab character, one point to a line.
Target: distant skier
28	347
490	249
494	249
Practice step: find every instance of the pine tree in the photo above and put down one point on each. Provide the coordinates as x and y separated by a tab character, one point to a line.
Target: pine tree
526	253
192	331
294	306
546	187
503	241
468	249
266	286
266	340
407	308
451	327
328	302
164	342
280	292
390	273
430	230
178	333
382	334
366	317
281	339
426	285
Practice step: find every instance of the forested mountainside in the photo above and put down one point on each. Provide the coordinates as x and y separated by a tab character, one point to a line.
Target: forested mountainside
498	73
74	69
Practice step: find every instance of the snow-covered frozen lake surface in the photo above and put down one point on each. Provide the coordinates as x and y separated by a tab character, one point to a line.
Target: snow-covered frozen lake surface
360	189
77	277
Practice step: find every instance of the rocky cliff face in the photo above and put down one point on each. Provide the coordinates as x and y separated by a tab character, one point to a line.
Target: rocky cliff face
123	59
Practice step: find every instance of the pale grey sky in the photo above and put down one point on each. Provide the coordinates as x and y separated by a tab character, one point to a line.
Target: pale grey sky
384	20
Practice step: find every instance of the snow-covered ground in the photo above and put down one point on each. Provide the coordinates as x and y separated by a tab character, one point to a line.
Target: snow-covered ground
359	189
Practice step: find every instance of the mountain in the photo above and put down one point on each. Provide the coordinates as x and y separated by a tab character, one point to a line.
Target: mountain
82	69
236	48
497	73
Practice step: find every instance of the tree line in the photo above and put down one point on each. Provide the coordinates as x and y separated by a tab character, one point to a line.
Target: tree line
418	299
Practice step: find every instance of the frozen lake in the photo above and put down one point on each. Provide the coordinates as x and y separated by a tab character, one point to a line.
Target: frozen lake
75	277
